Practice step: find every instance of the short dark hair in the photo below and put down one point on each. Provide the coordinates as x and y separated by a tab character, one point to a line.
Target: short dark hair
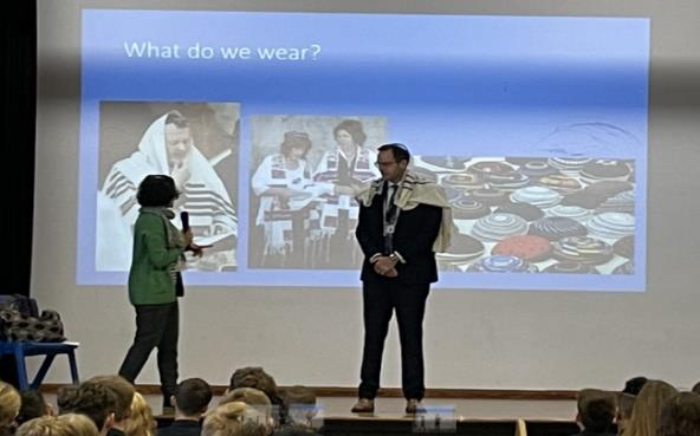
175	117
598	413
157	190
193	396
398	150
256	377
122	389
253	377
634	385
33	406
354	128
66	396
94	400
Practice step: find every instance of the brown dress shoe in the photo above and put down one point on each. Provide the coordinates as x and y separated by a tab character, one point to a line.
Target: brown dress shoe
414	406
363	405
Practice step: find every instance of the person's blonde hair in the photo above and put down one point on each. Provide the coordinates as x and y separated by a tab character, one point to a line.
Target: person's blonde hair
81	425
141	422
70	424
250	396
234	419
647	408
10	403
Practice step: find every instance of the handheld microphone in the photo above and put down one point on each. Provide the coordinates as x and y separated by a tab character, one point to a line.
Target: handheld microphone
185	218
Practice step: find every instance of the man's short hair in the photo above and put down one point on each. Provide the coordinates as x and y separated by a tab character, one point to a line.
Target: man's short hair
122	389
398	150
634	385
596	409
193	396
94	400
33	406
253	377
66	397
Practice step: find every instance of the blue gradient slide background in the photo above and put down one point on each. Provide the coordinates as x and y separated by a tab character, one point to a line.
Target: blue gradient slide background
459	85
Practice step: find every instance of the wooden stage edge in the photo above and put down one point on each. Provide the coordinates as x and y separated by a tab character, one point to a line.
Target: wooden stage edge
325	391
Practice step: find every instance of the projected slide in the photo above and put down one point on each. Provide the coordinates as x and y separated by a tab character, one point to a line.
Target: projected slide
269	122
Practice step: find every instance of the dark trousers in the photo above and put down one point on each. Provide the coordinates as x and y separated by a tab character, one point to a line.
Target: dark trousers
157	325
380	300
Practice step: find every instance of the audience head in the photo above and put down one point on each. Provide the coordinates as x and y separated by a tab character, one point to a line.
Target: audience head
65	396
192	398
65	425
10	403
249	396
123	390
647	408
80	424
252	398
680	416
596	410
140	421
94	400
235	419
33	406
253	377
45	426
634	385
257	378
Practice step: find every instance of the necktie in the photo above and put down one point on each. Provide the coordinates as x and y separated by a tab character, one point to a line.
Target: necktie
391	207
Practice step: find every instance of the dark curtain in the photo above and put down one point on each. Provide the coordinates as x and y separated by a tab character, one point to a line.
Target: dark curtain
19	77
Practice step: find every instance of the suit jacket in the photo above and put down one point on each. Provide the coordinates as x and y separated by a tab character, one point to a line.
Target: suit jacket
415	233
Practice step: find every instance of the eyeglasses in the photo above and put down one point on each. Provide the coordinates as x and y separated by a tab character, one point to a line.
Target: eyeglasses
384	164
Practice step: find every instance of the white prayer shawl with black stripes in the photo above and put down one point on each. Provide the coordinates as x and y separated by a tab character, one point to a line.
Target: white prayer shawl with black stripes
204	196
413	190
327	176
275	212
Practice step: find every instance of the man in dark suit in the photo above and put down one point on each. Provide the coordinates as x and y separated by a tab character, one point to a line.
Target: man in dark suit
400	222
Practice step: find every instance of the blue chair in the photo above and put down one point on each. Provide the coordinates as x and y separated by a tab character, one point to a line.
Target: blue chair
22	349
